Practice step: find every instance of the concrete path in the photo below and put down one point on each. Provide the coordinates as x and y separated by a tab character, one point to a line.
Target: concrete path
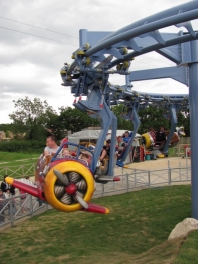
161	163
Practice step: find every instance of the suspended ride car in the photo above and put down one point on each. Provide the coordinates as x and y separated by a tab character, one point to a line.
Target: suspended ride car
67	182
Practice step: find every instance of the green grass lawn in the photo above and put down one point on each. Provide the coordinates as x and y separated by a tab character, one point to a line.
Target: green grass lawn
135	231
17	157
172	152
17	162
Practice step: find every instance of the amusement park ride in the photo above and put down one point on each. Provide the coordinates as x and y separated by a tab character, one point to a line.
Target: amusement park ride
68	183
149	141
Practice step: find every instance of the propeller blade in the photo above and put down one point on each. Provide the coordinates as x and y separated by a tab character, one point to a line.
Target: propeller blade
81	185
61	177
74	176
81	201
66	199
59	190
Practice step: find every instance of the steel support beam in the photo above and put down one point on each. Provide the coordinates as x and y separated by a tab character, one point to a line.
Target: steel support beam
173	114
193	99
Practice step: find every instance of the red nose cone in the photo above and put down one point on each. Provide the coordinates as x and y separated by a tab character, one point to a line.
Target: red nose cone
71	189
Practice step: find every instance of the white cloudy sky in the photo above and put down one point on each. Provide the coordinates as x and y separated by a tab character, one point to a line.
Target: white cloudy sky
30	66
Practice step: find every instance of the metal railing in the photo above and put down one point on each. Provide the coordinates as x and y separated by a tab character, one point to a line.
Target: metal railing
130	180
18	171
15	208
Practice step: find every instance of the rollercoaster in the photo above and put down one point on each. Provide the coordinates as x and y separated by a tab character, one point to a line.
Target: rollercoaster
68	184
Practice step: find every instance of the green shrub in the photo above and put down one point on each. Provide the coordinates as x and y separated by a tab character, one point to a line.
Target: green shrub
22	146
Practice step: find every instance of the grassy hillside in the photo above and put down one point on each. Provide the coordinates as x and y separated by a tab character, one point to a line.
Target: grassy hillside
12	162
135	231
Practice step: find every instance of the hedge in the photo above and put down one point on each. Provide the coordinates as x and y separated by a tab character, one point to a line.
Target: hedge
22	146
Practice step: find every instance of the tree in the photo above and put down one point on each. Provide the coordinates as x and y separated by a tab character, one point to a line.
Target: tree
31	117
153	116
75	120
55	127
121	122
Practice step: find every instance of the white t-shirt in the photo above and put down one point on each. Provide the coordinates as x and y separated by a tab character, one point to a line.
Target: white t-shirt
51	150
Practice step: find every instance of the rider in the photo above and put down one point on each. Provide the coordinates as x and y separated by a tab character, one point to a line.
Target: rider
161	135
126	137
52	146
105	150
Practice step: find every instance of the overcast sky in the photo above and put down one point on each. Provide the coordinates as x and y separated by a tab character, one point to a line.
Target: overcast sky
30	66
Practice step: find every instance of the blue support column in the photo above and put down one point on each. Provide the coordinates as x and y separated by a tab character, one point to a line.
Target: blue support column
136	122
113	143
193	99
173	126
107	119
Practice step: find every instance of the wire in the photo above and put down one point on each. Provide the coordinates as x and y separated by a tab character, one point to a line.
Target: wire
37	36
158	60
37	27
152	64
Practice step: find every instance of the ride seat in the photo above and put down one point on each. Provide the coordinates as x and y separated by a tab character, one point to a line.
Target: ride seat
41	164
104	167
84	161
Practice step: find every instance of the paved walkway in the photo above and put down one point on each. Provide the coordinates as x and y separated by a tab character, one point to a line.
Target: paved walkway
161	163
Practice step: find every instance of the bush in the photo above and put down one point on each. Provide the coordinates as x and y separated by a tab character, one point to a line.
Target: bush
22	146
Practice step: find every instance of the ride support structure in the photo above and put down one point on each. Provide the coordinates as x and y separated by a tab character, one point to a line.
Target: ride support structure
114	53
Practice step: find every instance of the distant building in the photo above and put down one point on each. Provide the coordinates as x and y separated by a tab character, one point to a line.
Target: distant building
3	136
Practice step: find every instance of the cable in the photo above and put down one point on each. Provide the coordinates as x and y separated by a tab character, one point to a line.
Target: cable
158	60
151	64
37	27
37	36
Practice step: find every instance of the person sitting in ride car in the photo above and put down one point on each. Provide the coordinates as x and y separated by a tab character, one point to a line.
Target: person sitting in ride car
52	146
126	137
85	156
105	150
66	152
161	135
120	145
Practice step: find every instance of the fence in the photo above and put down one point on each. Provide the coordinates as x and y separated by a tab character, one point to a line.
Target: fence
179	150
18	171
130	180
13	209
